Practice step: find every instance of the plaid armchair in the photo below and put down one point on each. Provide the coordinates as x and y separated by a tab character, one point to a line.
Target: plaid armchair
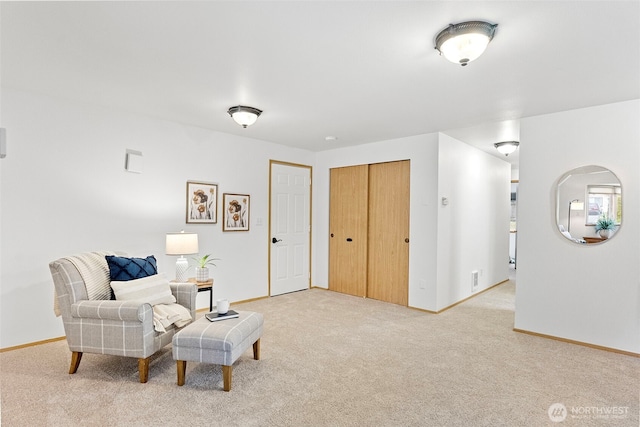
120	328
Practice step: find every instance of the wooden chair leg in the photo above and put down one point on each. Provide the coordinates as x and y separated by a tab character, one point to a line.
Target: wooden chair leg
143	369
75	361
256	349
182	367
226	377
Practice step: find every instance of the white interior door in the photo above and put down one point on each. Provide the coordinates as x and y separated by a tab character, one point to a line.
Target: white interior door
290	219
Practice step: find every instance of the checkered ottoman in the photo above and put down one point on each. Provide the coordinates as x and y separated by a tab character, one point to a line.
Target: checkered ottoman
220	343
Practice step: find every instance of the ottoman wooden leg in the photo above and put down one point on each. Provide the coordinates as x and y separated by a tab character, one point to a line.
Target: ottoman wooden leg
256	349
182	367
226	377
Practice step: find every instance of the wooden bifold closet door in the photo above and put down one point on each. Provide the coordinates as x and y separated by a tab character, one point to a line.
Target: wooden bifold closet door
348	230
369	231
388	246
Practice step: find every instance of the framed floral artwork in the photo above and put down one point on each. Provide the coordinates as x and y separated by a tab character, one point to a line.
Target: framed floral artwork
235	212
202	202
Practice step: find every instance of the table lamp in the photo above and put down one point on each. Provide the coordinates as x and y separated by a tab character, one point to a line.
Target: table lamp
182	244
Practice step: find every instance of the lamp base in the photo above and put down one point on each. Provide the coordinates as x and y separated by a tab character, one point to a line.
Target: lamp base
182	265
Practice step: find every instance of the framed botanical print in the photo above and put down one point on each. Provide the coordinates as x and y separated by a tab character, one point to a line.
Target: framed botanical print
202	202
235	212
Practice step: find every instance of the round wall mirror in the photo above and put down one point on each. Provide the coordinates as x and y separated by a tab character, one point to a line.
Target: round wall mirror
589	205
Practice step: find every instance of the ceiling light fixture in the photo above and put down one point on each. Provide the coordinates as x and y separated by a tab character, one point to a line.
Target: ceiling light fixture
462	43
244	116
506	147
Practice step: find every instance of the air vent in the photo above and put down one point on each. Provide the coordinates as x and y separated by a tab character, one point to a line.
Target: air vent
474	280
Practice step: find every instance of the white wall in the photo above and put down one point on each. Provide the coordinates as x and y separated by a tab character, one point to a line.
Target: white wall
585	293
443	240
64	191
473	228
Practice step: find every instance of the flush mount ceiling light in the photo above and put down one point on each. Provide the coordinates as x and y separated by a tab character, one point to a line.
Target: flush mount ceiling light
506	147
462	43
244	116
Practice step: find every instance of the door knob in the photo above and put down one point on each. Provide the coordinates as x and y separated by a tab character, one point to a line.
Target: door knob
274	240
406	240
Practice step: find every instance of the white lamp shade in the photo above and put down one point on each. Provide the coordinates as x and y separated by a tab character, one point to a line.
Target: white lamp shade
506	147
244	118
182	243
462	43
243	115
577	206
465	47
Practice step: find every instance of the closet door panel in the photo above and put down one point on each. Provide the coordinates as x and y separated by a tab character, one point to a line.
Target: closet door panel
388	247
348	230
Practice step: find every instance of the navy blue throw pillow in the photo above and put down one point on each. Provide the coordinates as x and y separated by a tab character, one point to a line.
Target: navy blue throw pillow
123	269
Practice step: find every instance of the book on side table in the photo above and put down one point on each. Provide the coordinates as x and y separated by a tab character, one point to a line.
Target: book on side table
214	316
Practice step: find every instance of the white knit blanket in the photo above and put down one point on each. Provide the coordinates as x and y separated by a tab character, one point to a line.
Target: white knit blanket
94	270
167	314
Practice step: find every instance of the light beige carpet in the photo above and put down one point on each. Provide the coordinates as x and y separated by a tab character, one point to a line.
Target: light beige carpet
335	360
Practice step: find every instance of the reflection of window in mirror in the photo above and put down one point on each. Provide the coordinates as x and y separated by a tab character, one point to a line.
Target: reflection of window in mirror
604	201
